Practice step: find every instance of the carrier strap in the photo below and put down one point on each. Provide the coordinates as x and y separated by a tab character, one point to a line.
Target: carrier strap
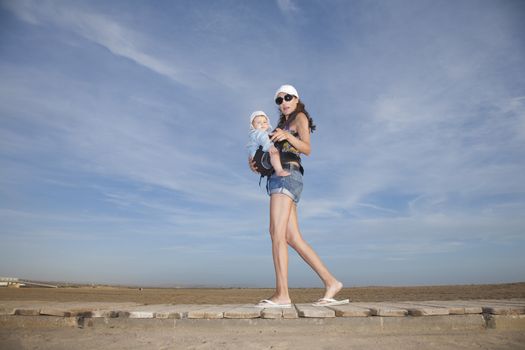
287	157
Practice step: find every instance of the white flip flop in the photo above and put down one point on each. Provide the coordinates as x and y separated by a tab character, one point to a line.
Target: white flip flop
268	304
330	302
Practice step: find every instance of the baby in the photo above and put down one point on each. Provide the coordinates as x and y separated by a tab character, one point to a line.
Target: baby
259	136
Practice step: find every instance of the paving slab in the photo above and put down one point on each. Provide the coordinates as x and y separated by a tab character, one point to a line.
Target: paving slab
493	308
291	313
55	311
212	311
156	311
384	309
136	314
272	313
415	309
10	307
245	311
27	312
308	310
179	311
350	310
452	310
85	309
144	311
468	309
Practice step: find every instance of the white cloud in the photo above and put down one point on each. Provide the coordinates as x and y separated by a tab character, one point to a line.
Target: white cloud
99	29
118	39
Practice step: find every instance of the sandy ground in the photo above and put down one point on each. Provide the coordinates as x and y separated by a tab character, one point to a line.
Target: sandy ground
59	339
254	338
242	295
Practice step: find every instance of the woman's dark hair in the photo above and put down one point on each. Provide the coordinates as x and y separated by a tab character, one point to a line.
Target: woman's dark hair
299	109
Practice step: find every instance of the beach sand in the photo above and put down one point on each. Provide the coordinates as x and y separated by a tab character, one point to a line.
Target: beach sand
230	339
249	295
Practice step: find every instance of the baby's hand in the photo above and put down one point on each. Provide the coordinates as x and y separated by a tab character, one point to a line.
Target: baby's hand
251	164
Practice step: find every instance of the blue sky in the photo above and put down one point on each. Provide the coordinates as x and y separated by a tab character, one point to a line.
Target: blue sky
123	127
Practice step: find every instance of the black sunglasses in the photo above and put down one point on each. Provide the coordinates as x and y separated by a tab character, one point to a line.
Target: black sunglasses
287	98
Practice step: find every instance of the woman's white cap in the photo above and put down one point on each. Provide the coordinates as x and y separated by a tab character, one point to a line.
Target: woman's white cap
287	89
257	114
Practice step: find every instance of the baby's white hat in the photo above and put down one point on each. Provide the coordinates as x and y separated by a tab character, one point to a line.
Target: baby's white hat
257	114
287	89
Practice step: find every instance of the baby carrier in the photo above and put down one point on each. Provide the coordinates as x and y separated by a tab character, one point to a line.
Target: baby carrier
264	166
262	162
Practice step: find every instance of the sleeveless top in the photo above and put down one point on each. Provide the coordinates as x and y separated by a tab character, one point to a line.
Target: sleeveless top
288	152
287	146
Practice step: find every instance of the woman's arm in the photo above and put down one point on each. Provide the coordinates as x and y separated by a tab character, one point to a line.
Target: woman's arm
302	143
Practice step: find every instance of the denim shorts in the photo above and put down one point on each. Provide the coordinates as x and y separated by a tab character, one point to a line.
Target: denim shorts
292	185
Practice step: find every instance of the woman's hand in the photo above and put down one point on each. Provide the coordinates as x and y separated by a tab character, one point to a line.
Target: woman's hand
279	135
251	164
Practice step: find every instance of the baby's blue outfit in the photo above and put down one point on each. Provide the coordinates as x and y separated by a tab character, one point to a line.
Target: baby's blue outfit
259	138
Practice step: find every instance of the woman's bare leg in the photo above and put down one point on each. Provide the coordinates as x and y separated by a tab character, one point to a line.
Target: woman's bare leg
280	208
296	241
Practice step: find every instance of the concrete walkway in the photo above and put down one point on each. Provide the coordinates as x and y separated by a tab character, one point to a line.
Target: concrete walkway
421	316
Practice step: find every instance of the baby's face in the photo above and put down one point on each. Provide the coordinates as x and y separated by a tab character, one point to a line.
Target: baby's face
260	123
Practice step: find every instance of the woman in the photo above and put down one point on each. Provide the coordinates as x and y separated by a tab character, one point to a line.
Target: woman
293	135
